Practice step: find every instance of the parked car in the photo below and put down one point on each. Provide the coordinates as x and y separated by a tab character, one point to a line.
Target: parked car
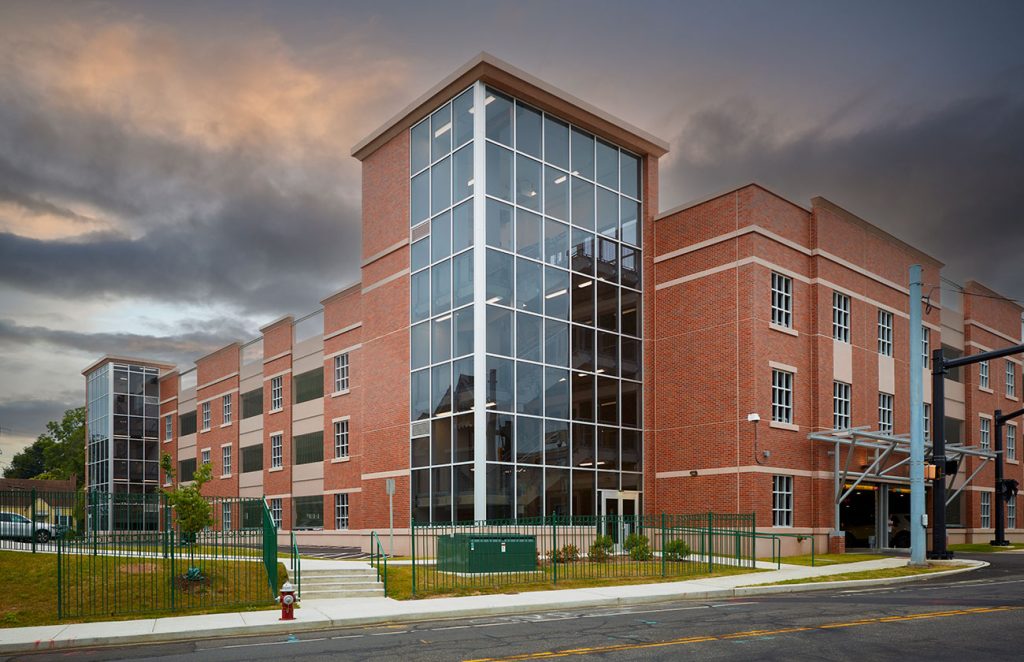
19	527
860	535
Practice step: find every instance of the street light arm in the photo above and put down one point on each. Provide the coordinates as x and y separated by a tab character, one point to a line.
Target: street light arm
984	356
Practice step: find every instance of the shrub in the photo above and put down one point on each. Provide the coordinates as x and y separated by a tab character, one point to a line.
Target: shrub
567	554
601	548
638	546
676	550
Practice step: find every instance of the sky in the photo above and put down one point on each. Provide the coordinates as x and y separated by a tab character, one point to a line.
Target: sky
175	175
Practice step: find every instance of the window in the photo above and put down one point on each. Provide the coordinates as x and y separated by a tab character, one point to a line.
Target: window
206	455
782	300
925	345
341	373
225	404
309	512
276	393
885	413
782	501
1011	380
206	416
1011	513
341	438
252	459
187	423
252	403
341	511
309	385
782	396
225	453
986	510
186	470
986	430
309	448
885	333
1011	441
840	317
168	427
276	452
841	406
225	516
275	512
983	374
927	409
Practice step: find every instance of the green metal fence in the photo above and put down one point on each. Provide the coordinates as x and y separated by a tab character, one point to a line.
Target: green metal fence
448	557
124	554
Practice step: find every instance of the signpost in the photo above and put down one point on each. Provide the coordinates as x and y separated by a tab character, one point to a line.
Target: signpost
390	487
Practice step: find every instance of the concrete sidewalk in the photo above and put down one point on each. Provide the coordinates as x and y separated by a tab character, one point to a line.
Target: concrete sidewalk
321	614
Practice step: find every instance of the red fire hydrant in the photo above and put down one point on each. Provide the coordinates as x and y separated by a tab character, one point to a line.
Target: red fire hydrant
287	600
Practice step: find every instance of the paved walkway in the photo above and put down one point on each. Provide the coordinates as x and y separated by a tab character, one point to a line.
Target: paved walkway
321	614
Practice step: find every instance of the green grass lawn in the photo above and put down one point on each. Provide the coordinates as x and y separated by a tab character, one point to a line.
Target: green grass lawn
983	547
133	588
826	559
433	584
885	573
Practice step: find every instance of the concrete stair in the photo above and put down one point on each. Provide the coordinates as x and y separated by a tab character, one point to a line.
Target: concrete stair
349	580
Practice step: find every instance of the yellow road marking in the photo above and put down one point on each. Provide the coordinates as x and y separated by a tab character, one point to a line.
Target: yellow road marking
741	635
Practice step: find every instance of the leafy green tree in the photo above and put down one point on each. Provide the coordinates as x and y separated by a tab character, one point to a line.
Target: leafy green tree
59	453
191	509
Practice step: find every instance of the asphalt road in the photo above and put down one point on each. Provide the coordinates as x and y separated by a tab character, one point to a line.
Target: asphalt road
978	615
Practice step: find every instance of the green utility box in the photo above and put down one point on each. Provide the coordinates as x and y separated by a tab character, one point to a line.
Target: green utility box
486	552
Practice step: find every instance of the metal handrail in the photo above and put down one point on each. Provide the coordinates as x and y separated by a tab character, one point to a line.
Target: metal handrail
377	555
296	563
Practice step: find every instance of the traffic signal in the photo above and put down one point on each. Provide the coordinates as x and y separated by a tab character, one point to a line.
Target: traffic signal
931	472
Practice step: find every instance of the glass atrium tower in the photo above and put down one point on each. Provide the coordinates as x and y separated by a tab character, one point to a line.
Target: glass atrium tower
525	311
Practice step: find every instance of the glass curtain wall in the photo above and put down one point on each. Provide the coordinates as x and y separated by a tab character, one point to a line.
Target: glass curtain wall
562	296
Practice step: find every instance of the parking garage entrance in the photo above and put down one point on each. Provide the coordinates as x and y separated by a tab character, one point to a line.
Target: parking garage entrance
876	516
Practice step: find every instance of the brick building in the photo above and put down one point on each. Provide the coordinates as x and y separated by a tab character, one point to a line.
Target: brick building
529	336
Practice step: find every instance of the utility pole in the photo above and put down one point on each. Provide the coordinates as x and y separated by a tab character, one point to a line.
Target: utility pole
918	528
1000	514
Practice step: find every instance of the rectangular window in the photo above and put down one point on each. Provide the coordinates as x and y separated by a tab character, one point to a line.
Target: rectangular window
986	510
309	448
252	514
1011	513
885	333
341	373
782	300
927	409
782	501
168	427
276	393
186	470
840	317
252	458
341	511
225	515
782	396
1011	380
226	408
983	374
341	439
206	456
187	423
225	453
276	451
1011	441
986	432
885	413
309	385
275	512
926	345
309	512
206	416
841	405
252	403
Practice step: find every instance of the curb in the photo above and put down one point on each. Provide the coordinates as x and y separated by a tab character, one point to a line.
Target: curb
328	624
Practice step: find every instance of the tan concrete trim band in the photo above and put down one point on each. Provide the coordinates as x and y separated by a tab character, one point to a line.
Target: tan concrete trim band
386	280
387	251
350	327
748	469
983	327
219	395
400	473
348	349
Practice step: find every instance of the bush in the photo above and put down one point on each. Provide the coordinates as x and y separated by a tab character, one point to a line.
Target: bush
601	548
677	550
638	546
566	554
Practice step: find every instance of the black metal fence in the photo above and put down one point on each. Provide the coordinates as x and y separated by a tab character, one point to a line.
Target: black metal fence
449	557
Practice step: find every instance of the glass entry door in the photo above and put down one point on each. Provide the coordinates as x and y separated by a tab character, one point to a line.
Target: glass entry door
619	512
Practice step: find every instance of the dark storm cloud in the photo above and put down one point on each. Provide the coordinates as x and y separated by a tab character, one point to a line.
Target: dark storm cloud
198	339
24	420
948	181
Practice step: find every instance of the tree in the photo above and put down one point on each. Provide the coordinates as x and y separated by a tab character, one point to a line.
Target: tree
191	509
59	453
